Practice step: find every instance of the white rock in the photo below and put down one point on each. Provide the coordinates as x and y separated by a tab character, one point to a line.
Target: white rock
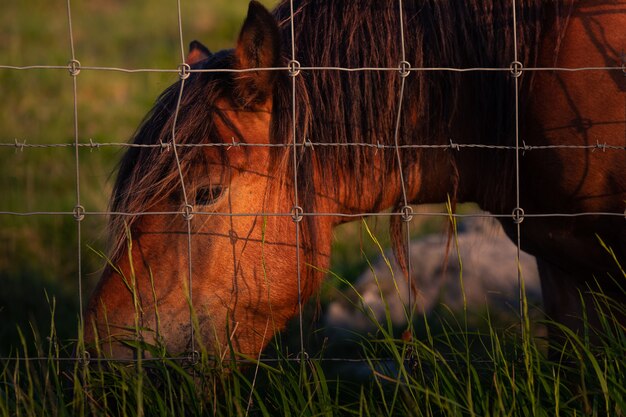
487	270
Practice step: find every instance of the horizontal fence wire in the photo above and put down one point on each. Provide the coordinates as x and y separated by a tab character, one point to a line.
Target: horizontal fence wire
441	358
308	214
454	145
305	68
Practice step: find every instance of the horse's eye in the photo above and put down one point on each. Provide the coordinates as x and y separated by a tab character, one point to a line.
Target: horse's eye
208	195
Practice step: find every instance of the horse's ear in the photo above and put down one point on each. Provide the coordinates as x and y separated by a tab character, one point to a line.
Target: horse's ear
197	53
258	47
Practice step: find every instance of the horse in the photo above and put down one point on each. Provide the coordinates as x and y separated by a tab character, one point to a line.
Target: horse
224	206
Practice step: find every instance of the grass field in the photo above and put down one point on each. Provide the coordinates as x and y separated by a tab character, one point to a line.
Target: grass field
449	369
457	365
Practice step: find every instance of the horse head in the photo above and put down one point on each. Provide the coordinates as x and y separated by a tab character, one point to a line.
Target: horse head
207	251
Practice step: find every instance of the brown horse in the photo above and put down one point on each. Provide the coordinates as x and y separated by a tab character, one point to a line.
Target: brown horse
219	243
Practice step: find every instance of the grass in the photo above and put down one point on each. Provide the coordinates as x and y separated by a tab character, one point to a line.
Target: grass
450	363
451	373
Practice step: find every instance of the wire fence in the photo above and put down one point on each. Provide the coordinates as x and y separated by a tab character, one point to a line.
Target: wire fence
406	213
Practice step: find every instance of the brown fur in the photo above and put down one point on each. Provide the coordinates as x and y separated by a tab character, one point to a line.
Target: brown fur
244	267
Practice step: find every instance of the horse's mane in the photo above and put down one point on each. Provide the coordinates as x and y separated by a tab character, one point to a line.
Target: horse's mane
362	107
438	106
341	107
148	175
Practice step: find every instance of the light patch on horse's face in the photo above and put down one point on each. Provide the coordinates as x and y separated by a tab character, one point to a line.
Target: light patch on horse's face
239	246
242	248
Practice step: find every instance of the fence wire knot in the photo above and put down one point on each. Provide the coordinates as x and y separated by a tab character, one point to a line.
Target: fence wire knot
233	143
233	236
79	213
297	214
184	71
407	213
518	215
84	358
454	146
294	67
516	69
303	356
193	357
601	146
93	145
187	212
19	145
165	146
74	67
405	69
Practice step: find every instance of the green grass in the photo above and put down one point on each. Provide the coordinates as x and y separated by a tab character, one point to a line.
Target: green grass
452	370
450	363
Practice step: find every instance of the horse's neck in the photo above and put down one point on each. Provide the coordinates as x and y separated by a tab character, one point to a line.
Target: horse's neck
432	177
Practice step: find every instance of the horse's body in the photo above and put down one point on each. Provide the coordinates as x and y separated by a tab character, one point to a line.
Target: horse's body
244	282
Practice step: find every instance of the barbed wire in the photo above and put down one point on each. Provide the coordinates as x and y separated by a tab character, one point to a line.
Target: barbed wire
451	145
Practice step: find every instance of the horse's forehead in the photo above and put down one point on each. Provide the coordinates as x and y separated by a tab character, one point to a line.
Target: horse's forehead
249	125
236	134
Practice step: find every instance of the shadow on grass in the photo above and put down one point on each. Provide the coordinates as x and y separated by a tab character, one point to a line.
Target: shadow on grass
26	302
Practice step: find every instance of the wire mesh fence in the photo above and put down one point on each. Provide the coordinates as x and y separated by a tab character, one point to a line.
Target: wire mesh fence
79	212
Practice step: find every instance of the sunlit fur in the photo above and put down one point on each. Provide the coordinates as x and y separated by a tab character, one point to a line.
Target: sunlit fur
335	107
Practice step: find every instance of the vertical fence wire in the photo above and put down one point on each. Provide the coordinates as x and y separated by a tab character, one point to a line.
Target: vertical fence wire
297	209
404	72
516	68
187	211
74	68
188	208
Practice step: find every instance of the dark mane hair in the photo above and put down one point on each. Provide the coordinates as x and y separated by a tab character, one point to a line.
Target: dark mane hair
334	106
348	107
147	174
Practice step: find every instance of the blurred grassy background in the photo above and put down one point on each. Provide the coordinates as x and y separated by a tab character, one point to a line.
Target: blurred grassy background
38	254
